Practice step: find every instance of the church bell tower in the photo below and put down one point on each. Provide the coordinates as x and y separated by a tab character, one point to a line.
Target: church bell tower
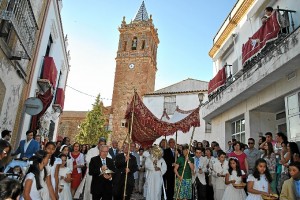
135	67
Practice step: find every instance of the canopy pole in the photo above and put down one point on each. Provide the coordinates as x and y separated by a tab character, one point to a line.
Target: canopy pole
178	189
175	157
128	154
165	141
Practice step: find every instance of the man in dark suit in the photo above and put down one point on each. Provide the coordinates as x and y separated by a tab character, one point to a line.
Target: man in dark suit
113	151
169	177
101	186
121	170
27	147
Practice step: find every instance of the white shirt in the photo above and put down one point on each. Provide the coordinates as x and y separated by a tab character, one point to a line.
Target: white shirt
26	145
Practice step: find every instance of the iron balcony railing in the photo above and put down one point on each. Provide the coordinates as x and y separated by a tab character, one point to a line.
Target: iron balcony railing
270	47
19	14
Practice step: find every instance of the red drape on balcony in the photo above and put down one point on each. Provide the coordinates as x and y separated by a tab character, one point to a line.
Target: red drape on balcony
146	128
50	71
46	98
217	81
60	97
267	32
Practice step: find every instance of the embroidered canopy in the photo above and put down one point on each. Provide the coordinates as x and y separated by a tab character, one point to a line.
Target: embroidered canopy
146	127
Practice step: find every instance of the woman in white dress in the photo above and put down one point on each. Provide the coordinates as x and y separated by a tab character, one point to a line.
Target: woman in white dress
64	149
259	183
156	167
64	188
234	176
34	184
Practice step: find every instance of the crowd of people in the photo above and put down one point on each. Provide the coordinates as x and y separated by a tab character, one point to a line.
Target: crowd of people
59	170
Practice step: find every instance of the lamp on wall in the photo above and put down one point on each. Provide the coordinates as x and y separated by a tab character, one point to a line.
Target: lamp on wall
200	97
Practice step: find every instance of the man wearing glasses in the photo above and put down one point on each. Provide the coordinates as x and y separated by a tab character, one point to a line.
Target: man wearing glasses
27	147
252	155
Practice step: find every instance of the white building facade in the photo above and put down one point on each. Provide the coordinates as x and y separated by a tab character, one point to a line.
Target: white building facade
52	57
262	94
184	95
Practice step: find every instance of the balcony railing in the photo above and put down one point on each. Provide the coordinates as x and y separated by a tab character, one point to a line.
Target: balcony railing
284	33
19	16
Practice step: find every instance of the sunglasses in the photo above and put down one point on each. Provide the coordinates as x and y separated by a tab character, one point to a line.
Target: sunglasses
250	143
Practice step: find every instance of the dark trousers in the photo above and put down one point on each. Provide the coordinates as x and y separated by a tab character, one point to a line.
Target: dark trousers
170	184
129	190
209	189
103	196
201	190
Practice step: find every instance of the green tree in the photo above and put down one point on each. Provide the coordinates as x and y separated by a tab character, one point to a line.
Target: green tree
94	125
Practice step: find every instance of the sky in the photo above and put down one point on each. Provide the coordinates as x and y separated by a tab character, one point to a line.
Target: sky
186	29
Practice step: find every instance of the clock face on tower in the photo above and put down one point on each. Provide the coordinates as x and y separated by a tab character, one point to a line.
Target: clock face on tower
131	66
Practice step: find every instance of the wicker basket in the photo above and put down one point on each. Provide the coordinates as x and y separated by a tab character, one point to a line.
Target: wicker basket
240	185
271	197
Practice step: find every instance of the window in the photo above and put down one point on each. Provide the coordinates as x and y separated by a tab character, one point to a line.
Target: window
123	123
134	43
207	127
50	42
170	104
238	130
5	25
293	115
143	45
125	46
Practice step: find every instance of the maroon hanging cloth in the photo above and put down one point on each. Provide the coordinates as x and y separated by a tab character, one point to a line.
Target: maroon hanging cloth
46	99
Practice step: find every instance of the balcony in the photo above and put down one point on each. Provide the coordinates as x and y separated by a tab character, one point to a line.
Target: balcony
49	74
277	59
58	105
18	18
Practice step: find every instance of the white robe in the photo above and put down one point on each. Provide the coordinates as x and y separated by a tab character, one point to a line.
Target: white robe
154	178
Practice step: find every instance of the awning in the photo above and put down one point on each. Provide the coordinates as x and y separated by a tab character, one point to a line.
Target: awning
267	32
146	127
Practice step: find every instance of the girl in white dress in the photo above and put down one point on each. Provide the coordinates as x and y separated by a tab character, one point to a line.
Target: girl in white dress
234	176
259	183
219	171
32	182
64	187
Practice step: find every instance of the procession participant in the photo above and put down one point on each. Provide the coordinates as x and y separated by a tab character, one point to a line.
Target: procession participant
88	179
156	167
27	147
169	176
184	175
200	169
219	172
113	150
64	179
101	187
78	163
120	174
136	174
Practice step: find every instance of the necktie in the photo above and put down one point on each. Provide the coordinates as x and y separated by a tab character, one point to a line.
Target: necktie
198	163
173	152
103	162
114	152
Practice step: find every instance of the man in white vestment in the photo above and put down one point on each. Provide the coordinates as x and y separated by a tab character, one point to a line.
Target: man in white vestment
156	167
90	154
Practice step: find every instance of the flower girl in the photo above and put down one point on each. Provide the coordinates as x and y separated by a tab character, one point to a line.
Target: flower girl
259	183
64	189
233	177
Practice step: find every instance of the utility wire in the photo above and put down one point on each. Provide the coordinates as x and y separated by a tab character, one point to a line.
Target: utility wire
87	93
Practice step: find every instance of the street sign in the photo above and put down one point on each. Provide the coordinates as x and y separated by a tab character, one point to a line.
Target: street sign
33	106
